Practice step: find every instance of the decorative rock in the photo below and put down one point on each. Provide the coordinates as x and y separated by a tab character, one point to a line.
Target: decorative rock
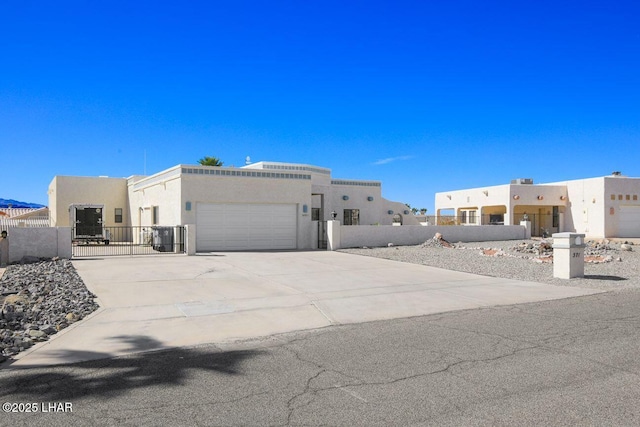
34	333
626	247
42	298
48	329
389	245
15	299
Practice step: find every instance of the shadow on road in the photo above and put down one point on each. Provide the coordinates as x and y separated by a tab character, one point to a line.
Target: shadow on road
114	376
601	277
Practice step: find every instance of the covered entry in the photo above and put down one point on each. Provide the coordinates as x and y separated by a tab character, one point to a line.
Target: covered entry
245	226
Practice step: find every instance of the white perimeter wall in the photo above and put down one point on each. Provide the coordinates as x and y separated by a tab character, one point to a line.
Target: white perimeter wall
371	235
39	242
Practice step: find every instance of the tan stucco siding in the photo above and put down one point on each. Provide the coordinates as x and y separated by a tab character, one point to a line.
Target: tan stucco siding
67	190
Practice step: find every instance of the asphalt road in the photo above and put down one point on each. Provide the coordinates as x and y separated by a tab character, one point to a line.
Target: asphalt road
566	362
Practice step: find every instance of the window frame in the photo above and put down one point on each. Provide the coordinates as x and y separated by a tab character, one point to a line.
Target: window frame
155	215
353	216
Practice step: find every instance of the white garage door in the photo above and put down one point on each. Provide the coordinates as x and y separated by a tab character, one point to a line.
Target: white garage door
242	226
629	221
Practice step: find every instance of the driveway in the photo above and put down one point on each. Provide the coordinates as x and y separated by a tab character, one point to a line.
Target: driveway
157	302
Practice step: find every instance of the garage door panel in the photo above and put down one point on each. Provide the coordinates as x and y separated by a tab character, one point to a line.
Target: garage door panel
235	226
629	221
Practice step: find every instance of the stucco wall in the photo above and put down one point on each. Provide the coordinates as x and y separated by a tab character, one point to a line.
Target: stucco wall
45	242
164	193
352	236
67	190
586	207
237	189
619	187
357	199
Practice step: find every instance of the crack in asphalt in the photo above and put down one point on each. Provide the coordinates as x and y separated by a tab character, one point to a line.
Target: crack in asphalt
545	347
309	390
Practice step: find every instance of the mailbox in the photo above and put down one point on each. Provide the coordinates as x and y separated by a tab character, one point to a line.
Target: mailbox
568	255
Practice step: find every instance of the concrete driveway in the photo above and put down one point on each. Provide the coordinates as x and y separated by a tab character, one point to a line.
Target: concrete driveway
156	302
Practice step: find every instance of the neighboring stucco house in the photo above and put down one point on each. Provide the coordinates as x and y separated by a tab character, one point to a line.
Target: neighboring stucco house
598	207
263	205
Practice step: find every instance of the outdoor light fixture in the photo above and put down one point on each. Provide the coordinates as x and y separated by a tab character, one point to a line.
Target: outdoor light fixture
406	212
390	212
540	197
485	192
345	197
563	197
370	198
449	196
334	215
516	197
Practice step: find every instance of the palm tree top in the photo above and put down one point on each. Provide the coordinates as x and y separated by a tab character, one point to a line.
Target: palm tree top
210	161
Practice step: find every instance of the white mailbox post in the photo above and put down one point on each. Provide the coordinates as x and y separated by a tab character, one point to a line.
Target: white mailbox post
568	255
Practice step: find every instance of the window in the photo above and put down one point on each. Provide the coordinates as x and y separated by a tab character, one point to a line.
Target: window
351	216
635	197
472	217
315	214
556	217
613	197
154	215
463	217
628	197
496	219
619	196
118	216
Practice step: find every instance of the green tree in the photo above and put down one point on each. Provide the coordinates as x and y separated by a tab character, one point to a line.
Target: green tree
210	161
423	211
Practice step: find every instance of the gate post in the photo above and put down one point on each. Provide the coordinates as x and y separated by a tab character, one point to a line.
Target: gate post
4	249
333	235
190	239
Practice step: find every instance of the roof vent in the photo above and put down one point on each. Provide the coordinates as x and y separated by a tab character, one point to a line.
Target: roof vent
616	173
522	181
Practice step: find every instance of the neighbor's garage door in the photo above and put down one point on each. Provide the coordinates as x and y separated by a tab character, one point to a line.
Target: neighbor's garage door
240	226
629	221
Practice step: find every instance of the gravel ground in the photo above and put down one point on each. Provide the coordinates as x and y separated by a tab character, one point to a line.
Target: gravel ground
620	273
38	300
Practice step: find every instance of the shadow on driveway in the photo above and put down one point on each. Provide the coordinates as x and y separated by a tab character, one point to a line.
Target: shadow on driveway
111	377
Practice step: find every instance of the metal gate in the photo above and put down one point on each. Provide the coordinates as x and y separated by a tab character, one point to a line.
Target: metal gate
322	234
131	241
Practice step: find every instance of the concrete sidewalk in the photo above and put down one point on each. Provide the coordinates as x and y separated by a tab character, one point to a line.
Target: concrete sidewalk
156	302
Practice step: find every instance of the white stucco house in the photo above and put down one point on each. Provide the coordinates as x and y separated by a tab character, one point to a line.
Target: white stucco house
264	205
598	207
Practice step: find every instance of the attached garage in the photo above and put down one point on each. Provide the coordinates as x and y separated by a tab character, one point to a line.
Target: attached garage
245	226
629	221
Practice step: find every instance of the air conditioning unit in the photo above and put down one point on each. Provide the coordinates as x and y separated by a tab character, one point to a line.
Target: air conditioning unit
522	181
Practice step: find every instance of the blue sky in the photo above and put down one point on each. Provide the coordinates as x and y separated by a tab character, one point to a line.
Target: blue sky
424	96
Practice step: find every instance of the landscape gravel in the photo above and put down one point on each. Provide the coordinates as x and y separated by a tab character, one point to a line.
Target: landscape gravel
520	260
38	300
